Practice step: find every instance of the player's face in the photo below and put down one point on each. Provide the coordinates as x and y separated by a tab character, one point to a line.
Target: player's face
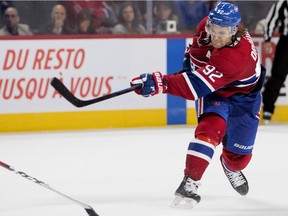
220	36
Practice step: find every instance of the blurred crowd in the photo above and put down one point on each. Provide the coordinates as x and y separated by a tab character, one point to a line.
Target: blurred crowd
116	17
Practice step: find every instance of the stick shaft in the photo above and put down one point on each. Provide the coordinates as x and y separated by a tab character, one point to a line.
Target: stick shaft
88	208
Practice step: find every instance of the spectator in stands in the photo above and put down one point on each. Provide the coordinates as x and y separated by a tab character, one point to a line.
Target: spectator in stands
57	25
85	24
12	25
166	20
128	21
103	15
140	7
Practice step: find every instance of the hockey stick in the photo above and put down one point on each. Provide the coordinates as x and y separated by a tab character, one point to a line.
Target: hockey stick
63	90
87	208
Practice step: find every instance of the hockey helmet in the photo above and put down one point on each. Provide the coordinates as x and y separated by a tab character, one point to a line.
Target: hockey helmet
225	14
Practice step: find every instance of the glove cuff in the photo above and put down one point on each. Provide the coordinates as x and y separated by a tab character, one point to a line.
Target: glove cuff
160	86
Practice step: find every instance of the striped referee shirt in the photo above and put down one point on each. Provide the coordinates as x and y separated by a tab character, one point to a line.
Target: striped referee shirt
276	17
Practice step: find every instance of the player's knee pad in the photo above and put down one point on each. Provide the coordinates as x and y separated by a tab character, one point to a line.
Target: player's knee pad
211	128
235	161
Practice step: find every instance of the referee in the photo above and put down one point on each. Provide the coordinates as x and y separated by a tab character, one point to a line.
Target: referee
277	17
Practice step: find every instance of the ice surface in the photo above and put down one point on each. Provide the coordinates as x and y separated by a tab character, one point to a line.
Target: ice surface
134	172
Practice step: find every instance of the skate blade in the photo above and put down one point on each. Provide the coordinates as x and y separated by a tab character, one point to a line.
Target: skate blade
183	203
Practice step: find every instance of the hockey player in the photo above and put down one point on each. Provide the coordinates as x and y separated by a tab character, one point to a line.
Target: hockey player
224	77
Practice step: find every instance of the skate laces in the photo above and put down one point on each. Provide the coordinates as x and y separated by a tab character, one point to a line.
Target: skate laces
191	186
236	178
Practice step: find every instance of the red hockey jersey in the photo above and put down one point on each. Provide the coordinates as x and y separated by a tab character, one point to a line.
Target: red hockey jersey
227	71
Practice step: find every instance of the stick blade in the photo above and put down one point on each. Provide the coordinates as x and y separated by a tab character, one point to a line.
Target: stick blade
62	89
91	211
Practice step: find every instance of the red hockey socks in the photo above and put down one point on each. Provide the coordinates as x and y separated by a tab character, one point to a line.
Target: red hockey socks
235	162
198	158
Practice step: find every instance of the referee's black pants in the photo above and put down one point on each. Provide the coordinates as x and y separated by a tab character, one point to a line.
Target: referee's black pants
278	75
